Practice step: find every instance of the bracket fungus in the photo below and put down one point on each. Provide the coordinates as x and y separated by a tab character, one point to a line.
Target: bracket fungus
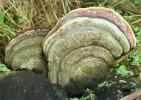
25	51
79	50
84	44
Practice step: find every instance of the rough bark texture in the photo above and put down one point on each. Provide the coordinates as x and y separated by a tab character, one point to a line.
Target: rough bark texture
26	85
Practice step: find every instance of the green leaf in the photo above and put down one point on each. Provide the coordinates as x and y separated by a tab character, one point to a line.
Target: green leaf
123	71
2	18
3	68
137	2
75	99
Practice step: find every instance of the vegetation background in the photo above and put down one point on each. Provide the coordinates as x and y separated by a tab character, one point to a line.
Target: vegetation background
20	15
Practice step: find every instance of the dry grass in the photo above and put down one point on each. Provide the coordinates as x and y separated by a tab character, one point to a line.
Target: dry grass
25	14
19	15
127	8
34	13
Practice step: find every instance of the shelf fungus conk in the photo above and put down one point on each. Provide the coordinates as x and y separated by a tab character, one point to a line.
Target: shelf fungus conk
25	51
84	44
